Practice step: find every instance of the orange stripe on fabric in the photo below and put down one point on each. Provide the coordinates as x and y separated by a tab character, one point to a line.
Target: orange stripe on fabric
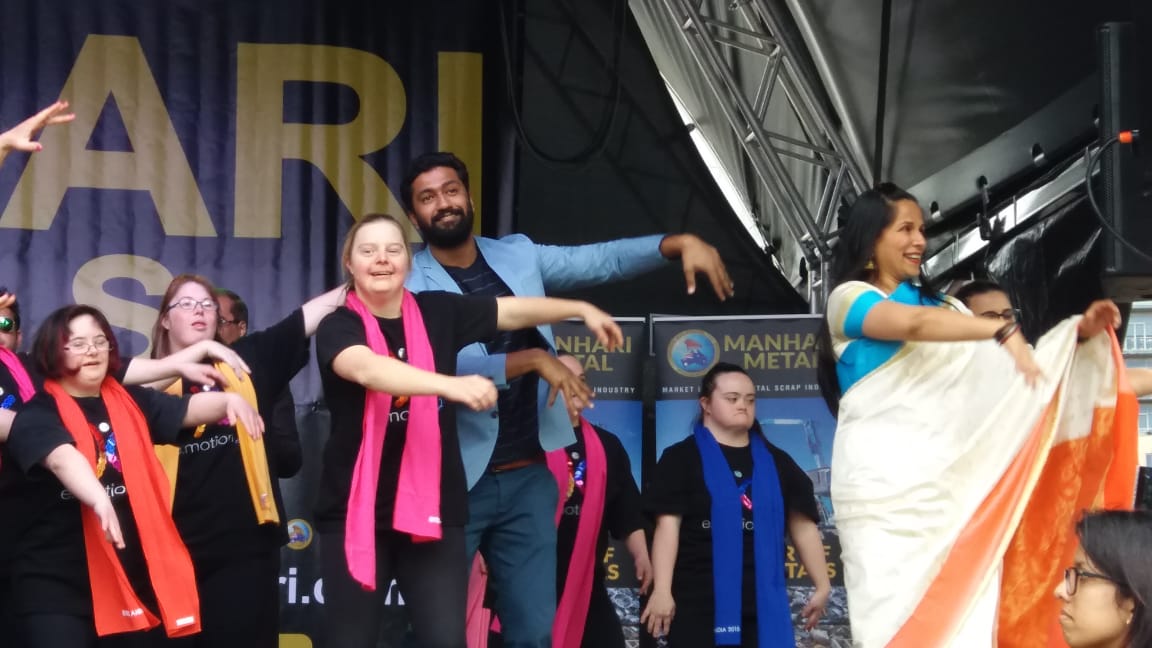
1044	542
1079	475
1120	483
943	608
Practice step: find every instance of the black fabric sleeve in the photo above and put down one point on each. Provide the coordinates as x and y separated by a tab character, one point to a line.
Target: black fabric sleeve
473	317
163	412
624	513
339	330
282	437
123	371
669	492
795	486
36	431
275	354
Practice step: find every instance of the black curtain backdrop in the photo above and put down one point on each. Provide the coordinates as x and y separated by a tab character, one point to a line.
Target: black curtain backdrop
639	172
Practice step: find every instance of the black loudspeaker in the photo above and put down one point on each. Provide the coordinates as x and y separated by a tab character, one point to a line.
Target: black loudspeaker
1124	188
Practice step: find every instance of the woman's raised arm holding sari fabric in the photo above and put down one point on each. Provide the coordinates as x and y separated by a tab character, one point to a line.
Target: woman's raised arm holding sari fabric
952	436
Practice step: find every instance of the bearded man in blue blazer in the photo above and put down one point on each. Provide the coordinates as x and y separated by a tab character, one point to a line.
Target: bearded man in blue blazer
512	494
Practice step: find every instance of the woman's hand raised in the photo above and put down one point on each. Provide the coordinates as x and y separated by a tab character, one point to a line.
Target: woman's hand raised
1099	315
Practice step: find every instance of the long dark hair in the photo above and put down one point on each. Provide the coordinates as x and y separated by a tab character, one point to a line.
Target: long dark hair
854	249
1117	543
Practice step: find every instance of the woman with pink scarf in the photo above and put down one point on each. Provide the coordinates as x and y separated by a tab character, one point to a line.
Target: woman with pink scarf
393	499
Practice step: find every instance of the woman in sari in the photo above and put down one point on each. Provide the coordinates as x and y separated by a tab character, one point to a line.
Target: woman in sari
961	454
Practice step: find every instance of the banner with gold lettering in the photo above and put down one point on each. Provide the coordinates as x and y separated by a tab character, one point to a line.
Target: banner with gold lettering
616	378
237	140
778	352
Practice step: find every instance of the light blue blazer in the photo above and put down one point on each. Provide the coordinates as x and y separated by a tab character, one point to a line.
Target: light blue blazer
529	270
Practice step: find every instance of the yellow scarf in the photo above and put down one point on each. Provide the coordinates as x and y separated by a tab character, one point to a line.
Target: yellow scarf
251	451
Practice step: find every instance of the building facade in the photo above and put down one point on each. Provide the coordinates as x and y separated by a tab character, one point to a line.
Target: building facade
1138	353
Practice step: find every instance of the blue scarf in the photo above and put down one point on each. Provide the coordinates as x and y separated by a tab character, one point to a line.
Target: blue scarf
773	615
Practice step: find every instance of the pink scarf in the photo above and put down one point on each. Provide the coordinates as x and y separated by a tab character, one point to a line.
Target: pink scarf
417	509
478	620
16	368
572	609
23	382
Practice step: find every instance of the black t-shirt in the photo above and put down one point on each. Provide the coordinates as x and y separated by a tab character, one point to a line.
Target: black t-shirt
452	322
212	508
14	486
49	568
623	512
519	434
678	488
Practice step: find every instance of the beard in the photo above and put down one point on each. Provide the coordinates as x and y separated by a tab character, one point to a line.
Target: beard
448	237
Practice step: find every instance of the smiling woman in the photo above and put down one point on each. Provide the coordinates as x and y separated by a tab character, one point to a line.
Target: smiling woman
939	442
393	475
95	437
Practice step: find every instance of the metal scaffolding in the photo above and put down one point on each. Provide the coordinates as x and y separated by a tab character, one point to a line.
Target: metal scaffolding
746	34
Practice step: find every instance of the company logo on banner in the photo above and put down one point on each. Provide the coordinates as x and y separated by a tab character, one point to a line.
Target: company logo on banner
692	353
779	354
615	376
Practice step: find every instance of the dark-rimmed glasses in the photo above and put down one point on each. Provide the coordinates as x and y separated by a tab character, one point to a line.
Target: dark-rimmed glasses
8	325
1007	315
1072	576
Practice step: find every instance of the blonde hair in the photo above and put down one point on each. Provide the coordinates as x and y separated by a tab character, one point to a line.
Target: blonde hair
350	237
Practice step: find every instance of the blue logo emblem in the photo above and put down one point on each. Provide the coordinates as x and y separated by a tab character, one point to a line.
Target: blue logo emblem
692	353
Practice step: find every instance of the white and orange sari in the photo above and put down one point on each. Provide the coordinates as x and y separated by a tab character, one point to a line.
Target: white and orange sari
956	486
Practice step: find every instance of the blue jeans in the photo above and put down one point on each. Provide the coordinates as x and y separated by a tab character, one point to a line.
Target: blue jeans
512	521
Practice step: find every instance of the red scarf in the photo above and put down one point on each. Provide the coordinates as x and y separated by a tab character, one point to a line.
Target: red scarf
417	509
115	606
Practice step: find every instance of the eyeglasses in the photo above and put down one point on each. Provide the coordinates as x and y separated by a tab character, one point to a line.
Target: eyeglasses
8	325
80	346
1072	577
187	303
1008	315
225	322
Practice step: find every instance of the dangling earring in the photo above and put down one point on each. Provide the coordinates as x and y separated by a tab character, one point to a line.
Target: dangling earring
869	265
